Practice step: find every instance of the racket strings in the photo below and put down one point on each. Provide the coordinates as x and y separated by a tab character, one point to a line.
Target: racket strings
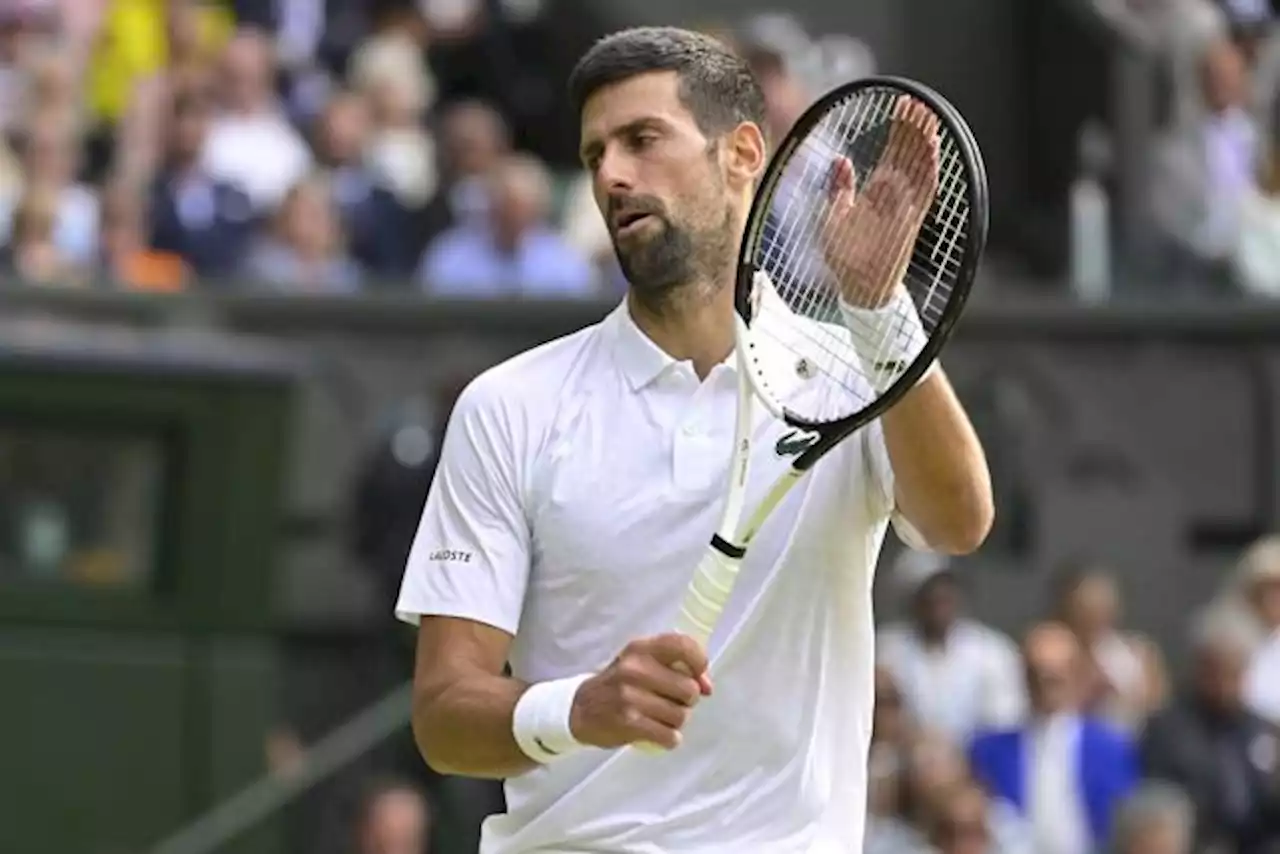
800	232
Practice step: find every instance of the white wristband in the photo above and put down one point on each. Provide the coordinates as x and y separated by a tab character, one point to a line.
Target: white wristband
887	339
541	720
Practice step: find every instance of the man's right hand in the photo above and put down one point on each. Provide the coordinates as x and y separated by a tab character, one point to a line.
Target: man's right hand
645	695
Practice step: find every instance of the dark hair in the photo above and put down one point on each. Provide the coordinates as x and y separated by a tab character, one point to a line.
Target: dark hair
716	85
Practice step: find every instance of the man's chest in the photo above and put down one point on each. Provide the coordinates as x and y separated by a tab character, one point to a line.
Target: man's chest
627	495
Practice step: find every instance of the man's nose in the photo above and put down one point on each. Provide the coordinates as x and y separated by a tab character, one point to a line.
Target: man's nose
616	171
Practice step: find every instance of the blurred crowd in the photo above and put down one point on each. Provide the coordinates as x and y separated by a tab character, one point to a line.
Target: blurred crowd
310	147
1075	741
1215	171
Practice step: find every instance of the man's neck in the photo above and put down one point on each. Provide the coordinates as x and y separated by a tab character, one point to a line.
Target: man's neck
694	323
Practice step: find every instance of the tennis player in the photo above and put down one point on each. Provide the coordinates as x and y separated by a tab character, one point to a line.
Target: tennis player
578	484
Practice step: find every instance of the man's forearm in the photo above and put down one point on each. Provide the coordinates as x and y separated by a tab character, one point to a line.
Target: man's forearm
464	727
941	481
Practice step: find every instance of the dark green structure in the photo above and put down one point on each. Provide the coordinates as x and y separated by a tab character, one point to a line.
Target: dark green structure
141	477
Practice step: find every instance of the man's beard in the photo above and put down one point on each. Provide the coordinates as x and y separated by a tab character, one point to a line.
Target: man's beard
674	254
658	262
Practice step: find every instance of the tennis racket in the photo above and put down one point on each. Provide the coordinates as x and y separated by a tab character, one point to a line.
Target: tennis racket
824	215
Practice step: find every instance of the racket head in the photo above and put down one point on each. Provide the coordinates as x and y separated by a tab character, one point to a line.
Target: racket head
782	241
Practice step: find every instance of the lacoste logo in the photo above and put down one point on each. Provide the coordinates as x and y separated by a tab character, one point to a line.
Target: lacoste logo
795	442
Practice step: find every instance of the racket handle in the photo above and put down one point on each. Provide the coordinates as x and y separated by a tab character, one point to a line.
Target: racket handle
707	595
704	601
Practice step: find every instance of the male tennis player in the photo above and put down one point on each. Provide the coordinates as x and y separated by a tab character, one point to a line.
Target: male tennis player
577	487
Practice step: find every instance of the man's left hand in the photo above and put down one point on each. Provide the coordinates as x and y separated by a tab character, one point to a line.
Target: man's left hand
868	236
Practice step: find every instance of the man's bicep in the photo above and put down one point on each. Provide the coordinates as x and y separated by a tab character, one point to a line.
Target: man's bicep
471	556
449	647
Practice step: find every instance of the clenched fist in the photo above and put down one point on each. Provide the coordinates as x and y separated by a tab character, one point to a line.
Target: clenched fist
645	695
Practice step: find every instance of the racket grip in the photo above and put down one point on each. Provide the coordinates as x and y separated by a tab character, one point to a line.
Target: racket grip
707	595
703	603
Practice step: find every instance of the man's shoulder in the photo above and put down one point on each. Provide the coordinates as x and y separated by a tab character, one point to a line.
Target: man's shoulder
534	382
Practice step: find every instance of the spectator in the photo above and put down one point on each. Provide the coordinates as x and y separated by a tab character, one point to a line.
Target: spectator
1125	675
50	151
892	727
956	674
1260	580
206	221
961	825
305	250
1205	168
1225	758
138	40
1256	263
473	139
1063	771
394	818
785	95
379	227
251	143
515	252
934	766
389	71
33	252
1156	819
126	257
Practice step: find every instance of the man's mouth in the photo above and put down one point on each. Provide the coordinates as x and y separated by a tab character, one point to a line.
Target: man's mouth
629	223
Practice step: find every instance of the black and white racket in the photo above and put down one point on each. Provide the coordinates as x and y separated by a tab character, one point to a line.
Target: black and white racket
860	251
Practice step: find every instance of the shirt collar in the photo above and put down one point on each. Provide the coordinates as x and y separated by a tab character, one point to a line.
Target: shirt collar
640	360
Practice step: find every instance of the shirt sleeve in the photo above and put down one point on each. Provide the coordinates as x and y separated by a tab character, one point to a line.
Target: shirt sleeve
471	555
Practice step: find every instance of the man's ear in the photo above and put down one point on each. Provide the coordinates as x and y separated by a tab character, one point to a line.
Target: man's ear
746	153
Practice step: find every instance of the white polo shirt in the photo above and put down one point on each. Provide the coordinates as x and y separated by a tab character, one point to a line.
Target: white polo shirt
578	484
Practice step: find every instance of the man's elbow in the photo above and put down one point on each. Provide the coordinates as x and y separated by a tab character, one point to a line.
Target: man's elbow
965	530
432	744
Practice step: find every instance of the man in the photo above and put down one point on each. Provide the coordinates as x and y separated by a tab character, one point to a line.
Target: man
578	484
208	222
379	228
252	144
1065	772
956	675
1157	819
1204	167
961	824
1226	758
394	817
513	251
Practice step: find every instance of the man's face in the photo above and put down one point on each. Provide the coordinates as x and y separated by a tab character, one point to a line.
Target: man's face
1053	667
660	183
1219	678
473	140
937	603
344	129
1225	77
397	824
1157	838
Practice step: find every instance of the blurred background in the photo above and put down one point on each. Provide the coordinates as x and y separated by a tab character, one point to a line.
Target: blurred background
252	250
